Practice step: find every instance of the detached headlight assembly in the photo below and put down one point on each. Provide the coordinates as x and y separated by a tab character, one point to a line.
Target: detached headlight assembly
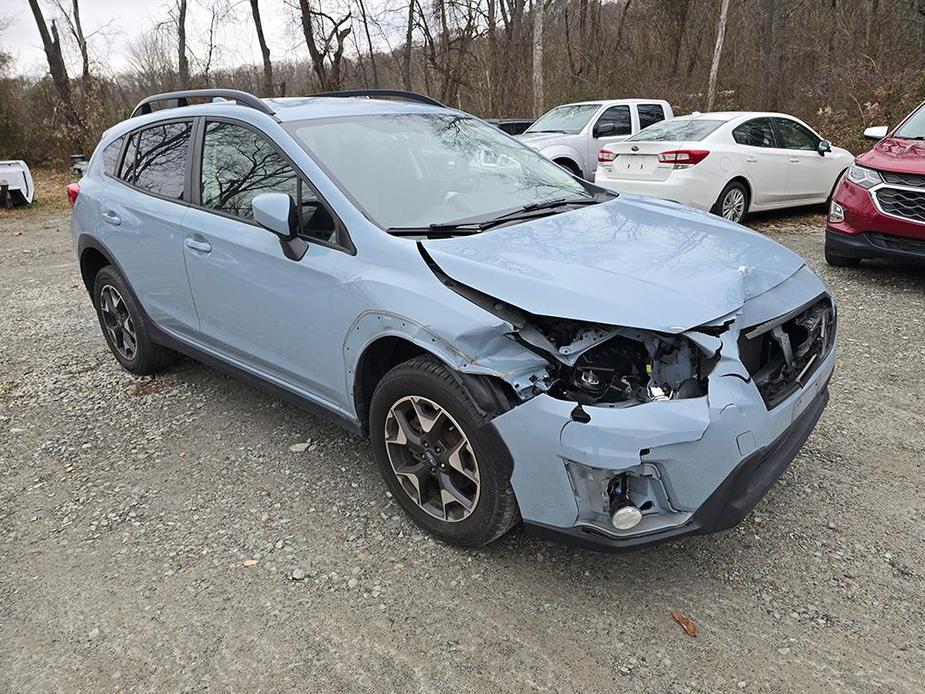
866	178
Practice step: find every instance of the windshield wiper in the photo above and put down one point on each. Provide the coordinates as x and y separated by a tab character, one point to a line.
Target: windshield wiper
461	228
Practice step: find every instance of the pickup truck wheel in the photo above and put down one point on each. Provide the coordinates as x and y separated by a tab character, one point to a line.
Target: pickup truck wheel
732	203
448	470
124	326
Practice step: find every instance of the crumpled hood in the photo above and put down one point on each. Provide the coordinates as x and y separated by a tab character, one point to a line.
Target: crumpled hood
634	262
892	154
538	141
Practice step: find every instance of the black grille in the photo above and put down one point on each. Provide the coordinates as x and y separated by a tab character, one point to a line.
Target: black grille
903	203
897	243
781	355
904	179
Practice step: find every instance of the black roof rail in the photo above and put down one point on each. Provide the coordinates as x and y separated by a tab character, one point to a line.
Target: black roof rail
377	93
181	98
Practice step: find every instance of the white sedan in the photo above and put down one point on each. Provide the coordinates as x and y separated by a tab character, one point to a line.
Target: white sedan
728	163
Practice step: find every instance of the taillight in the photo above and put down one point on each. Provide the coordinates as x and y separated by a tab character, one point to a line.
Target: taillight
604	156
683	158
73	190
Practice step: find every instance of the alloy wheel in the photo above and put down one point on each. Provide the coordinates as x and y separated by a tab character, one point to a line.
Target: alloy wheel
117	322
733	207
432	458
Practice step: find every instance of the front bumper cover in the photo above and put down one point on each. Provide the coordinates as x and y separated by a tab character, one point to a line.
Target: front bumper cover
742	489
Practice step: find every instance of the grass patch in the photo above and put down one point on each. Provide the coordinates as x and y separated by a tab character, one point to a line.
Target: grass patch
50	194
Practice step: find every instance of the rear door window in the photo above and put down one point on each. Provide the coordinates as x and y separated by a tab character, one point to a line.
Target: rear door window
755	133
159	162
649	114
620	117
795	136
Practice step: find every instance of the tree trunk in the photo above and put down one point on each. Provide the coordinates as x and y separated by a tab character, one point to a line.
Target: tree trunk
81	43
56	67
264	51
406	55
717	53
538	58
369	43
308	32
182	61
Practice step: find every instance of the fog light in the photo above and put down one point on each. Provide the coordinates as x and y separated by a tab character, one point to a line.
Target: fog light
626	517
836	213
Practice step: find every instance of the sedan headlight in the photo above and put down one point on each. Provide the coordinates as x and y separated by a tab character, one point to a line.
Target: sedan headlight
866	178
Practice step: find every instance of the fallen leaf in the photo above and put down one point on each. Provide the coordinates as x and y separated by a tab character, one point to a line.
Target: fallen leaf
298	447
250	562
686	623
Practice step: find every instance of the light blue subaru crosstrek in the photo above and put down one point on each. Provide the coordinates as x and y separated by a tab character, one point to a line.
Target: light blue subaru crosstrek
516	342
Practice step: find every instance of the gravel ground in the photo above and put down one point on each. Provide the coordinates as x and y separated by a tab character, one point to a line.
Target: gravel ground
152	531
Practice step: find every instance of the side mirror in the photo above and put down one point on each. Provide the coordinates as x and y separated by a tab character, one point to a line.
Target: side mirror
823	147
276	212
877	132
604	129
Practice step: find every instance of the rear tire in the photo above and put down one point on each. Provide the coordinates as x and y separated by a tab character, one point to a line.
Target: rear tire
419	413
732	203
836	260
124	326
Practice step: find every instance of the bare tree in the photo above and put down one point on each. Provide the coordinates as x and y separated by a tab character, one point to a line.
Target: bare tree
369	42
52	44
325	46
408	48
76	28
717	53
538	58
182	60
264	51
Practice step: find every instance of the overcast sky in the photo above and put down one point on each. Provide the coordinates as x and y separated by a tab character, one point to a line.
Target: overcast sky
122	21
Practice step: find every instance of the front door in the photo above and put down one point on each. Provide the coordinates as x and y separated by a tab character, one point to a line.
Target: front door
258	308
613	125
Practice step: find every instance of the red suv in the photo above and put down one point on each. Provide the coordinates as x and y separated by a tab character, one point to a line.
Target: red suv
878	208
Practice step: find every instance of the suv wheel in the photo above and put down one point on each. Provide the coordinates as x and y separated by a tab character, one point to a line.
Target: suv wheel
449	472
124	326
732	203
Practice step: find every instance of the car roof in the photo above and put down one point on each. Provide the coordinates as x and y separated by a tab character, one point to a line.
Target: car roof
732	115
610	102
301	108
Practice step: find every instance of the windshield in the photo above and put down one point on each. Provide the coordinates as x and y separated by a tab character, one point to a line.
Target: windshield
417	170
678	130
565	119
914	128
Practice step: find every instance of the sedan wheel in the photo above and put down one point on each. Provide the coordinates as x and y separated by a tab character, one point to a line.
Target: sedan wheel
733	205
432	458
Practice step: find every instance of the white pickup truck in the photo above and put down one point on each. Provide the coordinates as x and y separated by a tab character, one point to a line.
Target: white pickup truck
572	134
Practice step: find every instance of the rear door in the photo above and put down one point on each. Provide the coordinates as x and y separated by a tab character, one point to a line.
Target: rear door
141	213
613	125
257	307
808	178
649	114
766	163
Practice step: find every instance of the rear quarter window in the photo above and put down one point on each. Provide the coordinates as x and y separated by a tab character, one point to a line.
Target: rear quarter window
111	156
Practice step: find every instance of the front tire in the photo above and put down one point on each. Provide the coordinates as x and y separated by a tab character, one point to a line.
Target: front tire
444	466
732	203
124	326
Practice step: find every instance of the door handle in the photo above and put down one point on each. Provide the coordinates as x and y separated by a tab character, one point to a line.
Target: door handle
201	246
794	160
752	160
111	217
